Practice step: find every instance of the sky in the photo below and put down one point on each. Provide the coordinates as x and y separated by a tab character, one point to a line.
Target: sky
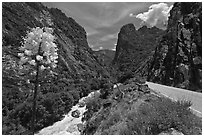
103	20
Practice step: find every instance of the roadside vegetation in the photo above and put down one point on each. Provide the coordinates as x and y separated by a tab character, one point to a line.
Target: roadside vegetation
137	111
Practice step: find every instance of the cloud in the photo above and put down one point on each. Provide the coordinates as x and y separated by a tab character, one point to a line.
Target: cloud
131	15
91	46
114	48
100	48
108	37
91	31
102	20
97	48
157	15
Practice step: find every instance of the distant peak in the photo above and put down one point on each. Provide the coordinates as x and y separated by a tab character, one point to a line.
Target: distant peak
155	28
128	27
145	28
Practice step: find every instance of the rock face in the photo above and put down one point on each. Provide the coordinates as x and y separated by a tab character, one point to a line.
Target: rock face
134	47
76	59
178	57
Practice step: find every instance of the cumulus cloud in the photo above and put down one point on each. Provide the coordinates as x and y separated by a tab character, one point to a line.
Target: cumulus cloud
157	15
101	20
114	48
91	46
100	48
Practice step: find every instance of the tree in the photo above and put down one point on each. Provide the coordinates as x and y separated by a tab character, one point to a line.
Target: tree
39	53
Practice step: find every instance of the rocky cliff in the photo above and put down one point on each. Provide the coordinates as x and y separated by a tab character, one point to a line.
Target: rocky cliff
76	59
135	47
178	57
76	74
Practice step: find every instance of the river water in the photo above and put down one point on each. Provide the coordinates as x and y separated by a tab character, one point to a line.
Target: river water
68	125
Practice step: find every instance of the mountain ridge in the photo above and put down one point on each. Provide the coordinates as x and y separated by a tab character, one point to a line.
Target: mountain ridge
132	107
134	46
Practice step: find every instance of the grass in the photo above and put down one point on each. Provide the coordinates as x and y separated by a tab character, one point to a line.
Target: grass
160	115
147	115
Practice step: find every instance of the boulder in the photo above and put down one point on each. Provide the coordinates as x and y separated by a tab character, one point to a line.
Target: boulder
80	127
144	88
75	114
81	104
171	131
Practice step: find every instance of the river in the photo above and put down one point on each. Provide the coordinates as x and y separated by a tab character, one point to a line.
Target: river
68	125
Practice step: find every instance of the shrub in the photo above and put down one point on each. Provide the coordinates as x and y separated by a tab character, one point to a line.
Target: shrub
92	105
124	77
94	84
160	115
147	115
112	120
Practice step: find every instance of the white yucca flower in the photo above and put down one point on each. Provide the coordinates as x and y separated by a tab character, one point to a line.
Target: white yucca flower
39	47
40	51
28	52
20	54
32	62
39	58
23	60
42	67
33	73
28	81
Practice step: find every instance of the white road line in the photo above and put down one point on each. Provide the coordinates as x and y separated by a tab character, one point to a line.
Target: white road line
169	87
195	110
167	96
175	100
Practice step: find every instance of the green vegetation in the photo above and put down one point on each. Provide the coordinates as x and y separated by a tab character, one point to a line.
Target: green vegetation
130	110
139	113
56	97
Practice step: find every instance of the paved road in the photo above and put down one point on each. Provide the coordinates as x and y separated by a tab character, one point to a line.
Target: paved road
179	94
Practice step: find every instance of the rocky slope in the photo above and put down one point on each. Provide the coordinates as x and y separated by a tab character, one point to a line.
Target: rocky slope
178	57
75	56
135	109
77	67
105	56
135	47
